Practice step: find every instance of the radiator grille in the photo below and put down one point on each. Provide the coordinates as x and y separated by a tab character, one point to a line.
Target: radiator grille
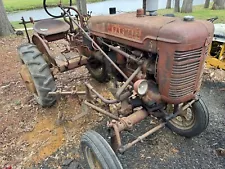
184	72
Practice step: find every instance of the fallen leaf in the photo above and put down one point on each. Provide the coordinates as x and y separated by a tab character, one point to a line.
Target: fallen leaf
220	152
174	150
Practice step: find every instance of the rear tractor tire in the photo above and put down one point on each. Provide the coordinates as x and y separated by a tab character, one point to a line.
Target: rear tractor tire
192	121
98	153
36	74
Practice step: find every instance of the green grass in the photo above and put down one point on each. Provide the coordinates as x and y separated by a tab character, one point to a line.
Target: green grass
16	25
199	12
16	5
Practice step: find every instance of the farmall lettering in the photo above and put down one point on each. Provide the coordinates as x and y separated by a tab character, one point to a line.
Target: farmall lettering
124	31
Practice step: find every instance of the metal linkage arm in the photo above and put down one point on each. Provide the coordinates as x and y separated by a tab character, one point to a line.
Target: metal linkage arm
140	138
100	96
129	80
101	110
66	93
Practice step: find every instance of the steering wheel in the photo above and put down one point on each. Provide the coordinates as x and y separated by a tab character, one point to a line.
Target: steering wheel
79	17
54	16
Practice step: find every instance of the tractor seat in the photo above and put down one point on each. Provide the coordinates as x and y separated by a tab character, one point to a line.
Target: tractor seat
51	27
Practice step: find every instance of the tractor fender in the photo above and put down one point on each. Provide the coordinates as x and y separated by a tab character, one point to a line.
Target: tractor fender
43	48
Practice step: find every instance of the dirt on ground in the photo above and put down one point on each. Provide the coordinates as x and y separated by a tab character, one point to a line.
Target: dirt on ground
30	136
29	133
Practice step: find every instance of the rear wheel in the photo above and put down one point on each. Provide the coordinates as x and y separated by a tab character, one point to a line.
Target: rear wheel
97	69
192	121
36	74
98	153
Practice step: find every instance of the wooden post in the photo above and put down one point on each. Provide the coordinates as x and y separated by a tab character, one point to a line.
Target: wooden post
82	6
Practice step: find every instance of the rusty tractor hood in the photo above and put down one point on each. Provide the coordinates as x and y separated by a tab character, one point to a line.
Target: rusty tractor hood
143	32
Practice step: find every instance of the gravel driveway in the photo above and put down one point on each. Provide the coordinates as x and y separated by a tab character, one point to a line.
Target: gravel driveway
167	150
170	151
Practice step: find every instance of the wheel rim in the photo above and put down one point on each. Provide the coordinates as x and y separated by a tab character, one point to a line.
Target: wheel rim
92	159
185	120
26	76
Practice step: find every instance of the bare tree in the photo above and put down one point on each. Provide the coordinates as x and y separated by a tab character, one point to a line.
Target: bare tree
5	26
206	3
168	4
144	6
177	6
82	6
218	4
187	6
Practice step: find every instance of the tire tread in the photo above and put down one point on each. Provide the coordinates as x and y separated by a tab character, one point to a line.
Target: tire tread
105	152
40	73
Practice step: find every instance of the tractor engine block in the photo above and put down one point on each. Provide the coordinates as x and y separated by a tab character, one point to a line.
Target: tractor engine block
172	49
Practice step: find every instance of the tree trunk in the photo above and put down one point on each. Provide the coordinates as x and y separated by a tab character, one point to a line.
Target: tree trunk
177	6
187	6
168	4
5	26
206	3
218	4
144	6
82	6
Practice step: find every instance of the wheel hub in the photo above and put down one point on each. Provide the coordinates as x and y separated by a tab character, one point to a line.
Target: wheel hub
185	120
26	76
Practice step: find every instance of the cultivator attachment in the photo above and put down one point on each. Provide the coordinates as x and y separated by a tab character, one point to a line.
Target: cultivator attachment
119	123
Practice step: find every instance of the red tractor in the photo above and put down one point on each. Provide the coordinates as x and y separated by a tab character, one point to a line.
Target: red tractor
158	59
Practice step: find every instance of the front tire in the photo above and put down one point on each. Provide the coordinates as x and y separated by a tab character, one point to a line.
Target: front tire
98	153
36	74
190	126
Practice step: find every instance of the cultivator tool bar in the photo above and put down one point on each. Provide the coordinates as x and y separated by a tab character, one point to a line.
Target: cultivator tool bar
119	124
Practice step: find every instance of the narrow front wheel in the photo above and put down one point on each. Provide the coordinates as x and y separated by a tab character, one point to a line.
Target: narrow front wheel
98	153
192	121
